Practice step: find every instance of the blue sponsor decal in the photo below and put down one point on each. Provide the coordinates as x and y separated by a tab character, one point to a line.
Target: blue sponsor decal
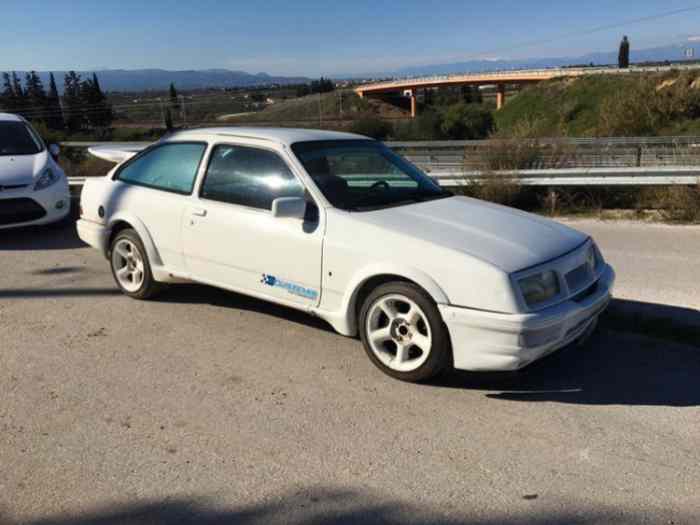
294	289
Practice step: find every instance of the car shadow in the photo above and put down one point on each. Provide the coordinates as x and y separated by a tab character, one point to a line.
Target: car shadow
202	294
326	506
619	365
59	236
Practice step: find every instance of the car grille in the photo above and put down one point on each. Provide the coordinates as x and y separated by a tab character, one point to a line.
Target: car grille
15	211
580	277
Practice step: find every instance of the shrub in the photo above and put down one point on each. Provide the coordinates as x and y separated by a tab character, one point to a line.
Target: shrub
678	203
426	126
511	155
467	122
372	127
495	188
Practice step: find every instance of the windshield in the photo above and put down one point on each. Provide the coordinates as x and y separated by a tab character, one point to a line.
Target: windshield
362	175
16	139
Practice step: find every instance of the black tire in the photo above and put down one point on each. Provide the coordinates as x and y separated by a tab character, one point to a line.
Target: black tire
149	287
440	354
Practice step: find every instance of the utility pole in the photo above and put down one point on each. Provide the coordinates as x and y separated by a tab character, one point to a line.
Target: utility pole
320	111
182	109
162	111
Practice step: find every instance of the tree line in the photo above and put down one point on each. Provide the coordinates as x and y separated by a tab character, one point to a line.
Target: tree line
83	105
323	85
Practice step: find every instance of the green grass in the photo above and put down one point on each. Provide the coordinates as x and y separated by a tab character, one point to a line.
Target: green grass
307	109
600	105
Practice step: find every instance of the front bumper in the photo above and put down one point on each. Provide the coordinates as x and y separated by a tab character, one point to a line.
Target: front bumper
26	207
486	341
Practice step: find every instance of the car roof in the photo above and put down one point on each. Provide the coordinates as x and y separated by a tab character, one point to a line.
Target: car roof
286	136
10	117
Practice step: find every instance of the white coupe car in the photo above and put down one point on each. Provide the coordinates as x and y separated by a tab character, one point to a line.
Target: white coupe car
341	227
33	188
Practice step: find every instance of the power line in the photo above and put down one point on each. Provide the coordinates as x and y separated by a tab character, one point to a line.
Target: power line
589	31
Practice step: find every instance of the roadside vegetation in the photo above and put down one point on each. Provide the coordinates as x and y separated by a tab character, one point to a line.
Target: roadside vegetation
595	106
605	106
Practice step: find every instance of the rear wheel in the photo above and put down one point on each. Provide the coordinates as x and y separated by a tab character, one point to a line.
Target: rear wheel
403	333
130	266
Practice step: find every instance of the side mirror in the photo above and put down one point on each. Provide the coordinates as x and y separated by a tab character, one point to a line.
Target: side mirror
54	150
289	208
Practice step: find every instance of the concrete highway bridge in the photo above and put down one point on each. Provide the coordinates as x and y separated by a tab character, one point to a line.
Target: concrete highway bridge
501	79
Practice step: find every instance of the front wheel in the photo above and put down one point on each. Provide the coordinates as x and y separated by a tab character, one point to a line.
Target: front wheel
403	333
130	266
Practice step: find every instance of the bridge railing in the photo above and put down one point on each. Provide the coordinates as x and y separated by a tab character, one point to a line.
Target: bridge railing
546	73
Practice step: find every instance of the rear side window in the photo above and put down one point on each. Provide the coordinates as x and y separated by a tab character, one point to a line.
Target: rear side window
248	176
170	167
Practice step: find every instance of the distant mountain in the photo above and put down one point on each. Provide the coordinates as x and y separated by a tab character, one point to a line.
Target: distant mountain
674	52
160	79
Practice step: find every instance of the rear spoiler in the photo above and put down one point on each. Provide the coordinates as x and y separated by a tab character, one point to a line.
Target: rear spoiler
116	153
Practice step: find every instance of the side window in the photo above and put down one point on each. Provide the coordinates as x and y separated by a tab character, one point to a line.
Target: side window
170	167
248	176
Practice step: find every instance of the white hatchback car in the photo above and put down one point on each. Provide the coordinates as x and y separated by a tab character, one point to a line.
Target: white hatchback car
341	227
33	188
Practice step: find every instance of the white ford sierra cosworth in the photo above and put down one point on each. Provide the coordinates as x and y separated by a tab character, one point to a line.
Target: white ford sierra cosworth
339	226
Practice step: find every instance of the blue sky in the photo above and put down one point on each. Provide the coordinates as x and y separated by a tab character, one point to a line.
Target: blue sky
313	37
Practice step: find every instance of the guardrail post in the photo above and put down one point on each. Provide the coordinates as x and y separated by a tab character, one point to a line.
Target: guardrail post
639	156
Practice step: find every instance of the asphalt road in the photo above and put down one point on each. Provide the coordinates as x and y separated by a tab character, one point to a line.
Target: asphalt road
209	407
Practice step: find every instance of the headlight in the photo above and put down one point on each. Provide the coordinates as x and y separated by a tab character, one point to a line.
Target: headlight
539	288
591	259
597	255
48	177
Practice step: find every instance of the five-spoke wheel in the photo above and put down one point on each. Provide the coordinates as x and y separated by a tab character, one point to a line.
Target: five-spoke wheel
403	332
130	266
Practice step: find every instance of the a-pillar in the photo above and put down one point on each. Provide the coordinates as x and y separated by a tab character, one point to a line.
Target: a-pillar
500	95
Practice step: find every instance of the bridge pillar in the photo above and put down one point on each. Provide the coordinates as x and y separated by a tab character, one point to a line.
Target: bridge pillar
414	103
500	96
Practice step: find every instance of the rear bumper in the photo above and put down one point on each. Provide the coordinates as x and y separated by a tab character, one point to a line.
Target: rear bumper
486	341
93	234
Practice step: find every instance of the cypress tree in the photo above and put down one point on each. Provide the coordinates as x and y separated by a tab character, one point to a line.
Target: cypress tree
18	95
623	59
7	95
36	100
174	101
54	119
100	112
74	108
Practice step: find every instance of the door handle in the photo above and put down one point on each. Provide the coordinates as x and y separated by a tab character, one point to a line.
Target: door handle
199	212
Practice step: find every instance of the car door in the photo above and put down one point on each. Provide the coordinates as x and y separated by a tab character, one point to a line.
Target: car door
154	187
231	238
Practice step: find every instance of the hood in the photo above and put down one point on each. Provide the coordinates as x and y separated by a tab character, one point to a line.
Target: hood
506	238
21	169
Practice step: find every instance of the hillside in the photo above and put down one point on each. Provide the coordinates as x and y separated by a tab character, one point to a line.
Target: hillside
634	105
334	106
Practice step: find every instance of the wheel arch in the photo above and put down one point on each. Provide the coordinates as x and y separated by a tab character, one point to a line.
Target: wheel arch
121	222
371	278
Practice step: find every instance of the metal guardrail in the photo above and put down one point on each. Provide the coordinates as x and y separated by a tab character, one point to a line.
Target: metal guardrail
598	162
560	177
578	177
